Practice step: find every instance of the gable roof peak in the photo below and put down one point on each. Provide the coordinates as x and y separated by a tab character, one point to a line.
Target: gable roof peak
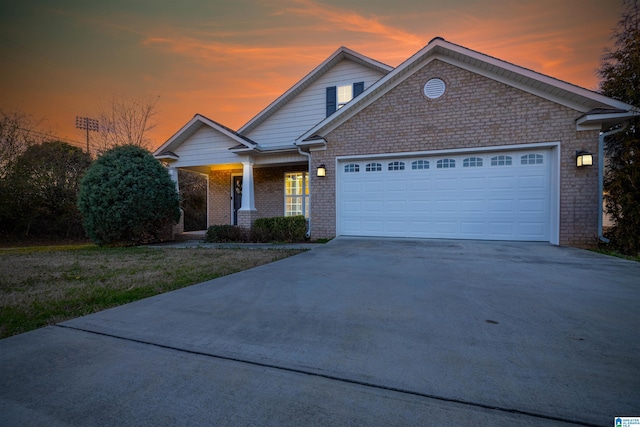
338	55
191	127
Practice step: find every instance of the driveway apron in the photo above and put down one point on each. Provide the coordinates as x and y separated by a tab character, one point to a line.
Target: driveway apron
357	331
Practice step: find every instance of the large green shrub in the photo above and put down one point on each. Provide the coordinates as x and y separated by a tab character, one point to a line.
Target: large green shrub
280	229
128	198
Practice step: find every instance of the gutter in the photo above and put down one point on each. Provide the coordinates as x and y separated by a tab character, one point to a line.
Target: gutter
308	156
601	138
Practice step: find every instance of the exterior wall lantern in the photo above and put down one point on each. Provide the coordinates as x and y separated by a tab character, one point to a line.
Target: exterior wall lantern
322	171
584	158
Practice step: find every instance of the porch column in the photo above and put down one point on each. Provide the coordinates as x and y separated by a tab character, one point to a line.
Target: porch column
247	212
173	173
179	227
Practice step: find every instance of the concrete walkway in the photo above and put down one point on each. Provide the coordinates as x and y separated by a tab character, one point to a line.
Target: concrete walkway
354	332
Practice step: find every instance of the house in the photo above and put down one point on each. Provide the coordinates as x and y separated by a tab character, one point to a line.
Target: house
451	144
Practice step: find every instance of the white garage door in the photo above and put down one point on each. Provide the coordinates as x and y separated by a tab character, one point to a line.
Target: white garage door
487	196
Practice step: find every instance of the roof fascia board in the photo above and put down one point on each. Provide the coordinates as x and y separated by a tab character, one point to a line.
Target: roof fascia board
340	54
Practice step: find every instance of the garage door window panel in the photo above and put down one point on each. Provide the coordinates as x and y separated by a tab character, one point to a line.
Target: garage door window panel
472	162
396	166
501	161
446	164
373	167
352	167
532	159
420	165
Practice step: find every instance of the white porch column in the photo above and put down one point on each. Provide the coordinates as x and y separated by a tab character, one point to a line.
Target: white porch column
248	201
173	173
179	227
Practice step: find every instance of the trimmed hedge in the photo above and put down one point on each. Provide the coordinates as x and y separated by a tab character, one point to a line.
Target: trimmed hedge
225	233
280	229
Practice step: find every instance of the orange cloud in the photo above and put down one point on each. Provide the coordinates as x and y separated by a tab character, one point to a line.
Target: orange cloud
349	20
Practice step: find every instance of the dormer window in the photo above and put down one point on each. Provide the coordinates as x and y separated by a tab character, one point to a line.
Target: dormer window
338	96
345	94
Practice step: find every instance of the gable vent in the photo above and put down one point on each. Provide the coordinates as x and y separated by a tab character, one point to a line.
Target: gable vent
434	88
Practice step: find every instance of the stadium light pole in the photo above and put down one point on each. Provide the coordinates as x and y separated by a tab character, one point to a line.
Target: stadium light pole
87	123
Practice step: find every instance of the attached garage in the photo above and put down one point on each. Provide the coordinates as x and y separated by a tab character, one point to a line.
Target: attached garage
488	195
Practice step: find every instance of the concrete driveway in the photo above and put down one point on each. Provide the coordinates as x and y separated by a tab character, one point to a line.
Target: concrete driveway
354	332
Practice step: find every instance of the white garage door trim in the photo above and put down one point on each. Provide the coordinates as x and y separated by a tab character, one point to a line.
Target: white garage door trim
424	218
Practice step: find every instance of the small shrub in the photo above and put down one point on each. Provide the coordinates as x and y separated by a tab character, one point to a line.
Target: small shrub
225	233
280	229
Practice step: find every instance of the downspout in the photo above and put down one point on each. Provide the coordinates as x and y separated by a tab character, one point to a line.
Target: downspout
601	138
308	156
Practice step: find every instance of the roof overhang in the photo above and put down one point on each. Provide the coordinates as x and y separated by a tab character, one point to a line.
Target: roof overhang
604	120
264	151
167	155
314	142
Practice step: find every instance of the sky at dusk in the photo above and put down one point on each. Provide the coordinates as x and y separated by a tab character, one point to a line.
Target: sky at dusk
228	59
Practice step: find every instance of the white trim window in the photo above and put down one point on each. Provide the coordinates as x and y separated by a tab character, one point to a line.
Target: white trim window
296	194
345	94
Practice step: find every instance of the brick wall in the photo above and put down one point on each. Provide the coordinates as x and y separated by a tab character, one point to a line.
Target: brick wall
474	112
268	192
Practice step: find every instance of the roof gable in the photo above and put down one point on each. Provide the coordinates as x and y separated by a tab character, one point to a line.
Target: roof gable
339	55
546	87
167	150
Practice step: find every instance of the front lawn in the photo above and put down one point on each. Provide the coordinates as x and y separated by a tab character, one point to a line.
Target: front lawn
41	286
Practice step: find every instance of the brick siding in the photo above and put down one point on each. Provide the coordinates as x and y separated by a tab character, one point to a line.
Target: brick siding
268	192
474	112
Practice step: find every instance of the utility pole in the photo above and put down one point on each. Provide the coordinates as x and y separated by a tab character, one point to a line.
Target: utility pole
87	123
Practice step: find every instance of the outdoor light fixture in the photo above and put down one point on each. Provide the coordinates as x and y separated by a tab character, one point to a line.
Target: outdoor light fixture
322	171
584	158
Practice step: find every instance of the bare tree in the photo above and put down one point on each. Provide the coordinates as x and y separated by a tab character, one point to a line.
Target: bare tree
127	121
18	131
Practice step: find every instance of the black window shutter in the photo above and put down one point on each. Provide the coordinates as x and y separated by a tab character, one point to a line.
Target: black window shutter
331	100
358	88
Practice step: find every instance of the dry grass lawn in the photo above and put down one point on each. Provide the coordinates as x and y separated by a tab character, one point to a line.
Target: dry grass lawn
46	285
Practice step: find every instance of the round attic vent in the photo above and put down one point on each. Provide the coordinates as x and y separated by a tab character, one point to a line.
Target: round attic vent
434	88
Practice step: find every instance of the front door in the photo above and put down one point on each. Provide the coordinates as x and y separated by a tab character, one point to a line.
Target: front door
236	197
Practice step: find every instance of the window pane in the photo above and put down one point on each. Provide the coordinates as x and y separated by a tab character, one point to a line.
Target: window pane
345	94
294	198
